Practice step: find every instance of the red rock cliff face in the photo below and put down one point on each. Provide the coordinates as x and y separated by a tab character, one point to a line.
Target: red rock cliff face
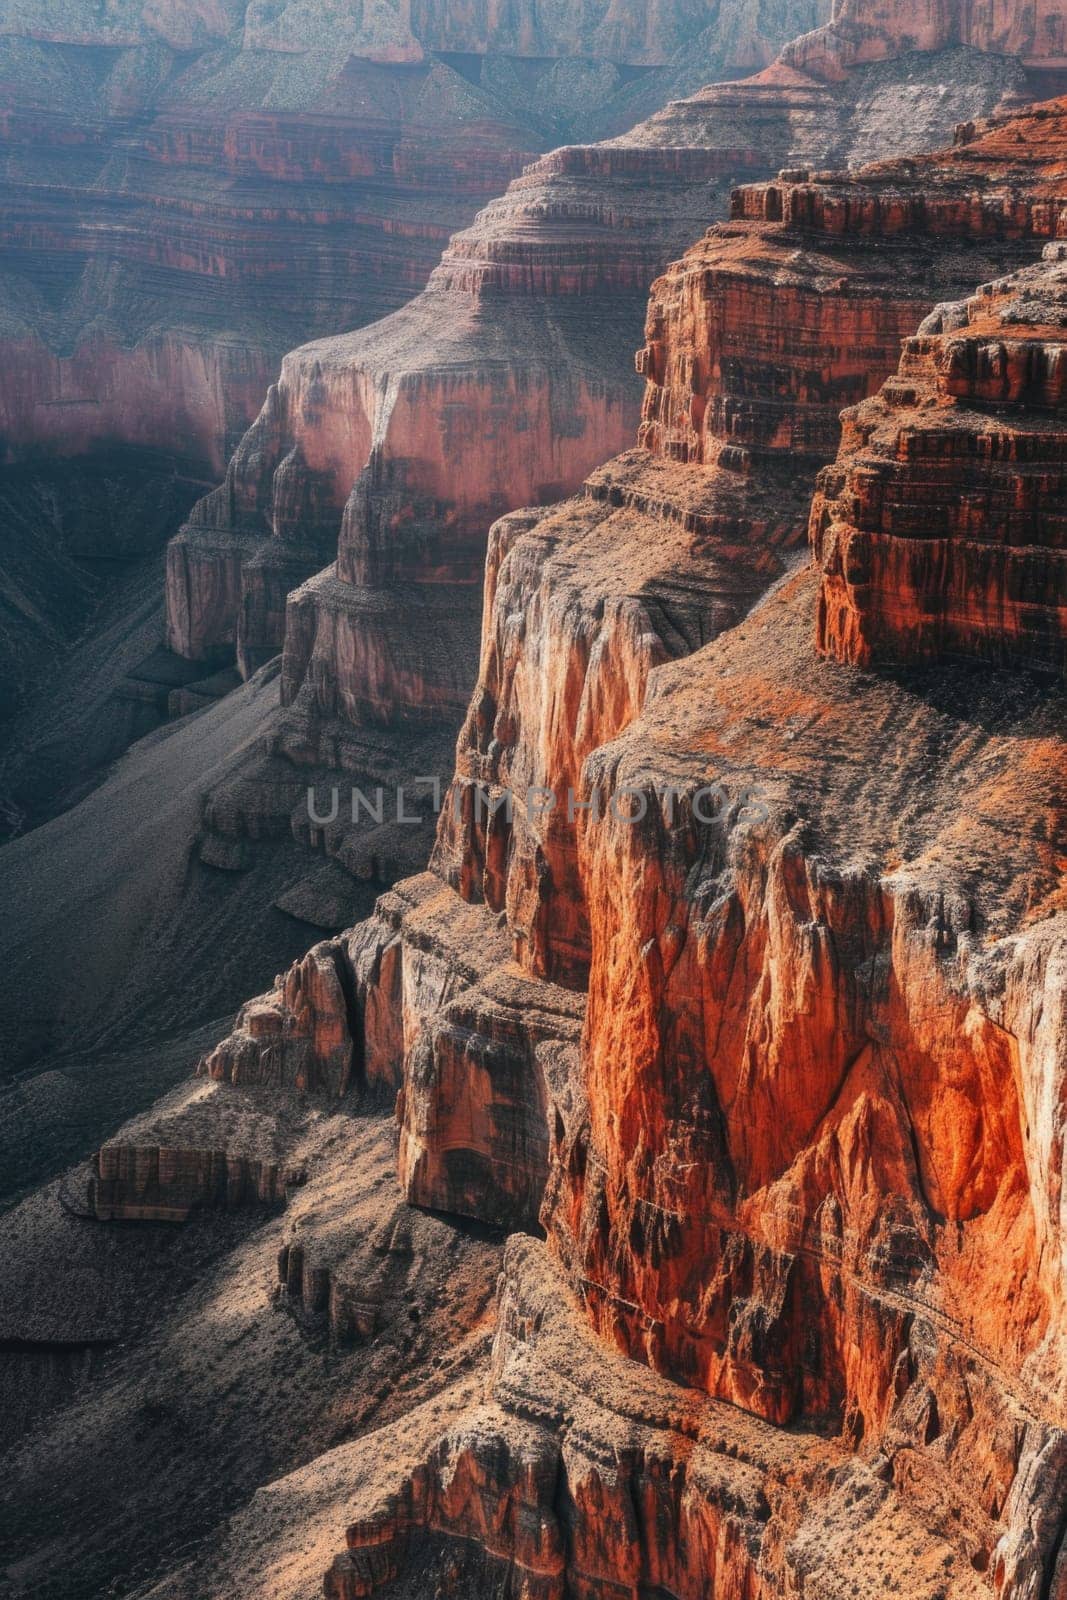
859	31
938	532
755	340
505	382
388	453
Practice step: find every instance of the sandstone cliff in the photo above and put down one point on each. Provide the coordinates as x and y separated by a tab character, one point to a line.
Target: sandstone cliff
507	380
859	31
389	453
938	532
764	1042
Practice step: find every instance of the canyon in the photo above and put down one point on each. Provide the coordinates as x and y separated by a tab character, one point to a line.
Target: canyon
349	537
653	1185
678	1159
350	532
190	191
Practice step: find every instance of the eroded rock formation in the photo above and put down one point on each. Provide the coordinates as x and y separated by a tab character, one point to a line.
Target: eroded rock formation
191	190
739	977
938	532
388	453
805	1155
505	382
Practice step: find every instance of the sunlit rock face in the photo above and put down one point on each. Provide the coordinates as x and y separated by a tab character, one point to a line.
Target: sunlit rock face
806	1157
755	339
937	532
738	975
859	31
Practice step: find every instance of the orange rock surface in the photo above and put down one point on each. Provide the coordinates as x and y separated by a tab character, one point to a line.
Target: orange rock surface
807	1158
938	531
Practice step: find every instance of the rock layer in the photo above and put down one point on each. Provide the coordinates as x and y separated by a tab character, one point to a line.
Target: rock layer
759	1005
508	379
937	532
191	191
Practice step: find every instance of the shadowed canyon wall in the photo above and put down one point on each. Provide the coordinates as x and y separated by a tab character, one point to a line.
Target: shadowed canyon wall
188	192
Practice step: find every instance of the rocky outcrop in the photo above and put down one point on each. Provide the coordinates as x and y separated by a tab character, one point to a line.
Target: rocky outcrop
937	532
205	1146
471	1044
566	1470
861	32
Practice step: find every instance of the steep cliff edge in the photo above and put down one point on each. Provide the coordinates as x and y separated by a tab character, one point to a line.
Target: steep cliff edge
506	381
808	1156
938	532
859	31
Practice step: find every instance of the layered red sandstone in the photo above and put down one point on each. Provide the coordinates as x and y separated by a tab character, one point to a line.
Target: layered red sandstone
231	236
938	531
505	382
395	448
806	1155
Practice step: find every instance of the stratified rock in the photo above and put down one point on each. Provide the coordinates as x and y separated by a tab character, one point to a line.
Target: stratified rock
504	383
765	1015
754	341
806	1157
938	531
425	999
300	1036
860	31
568	1471
204	1146
190	190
